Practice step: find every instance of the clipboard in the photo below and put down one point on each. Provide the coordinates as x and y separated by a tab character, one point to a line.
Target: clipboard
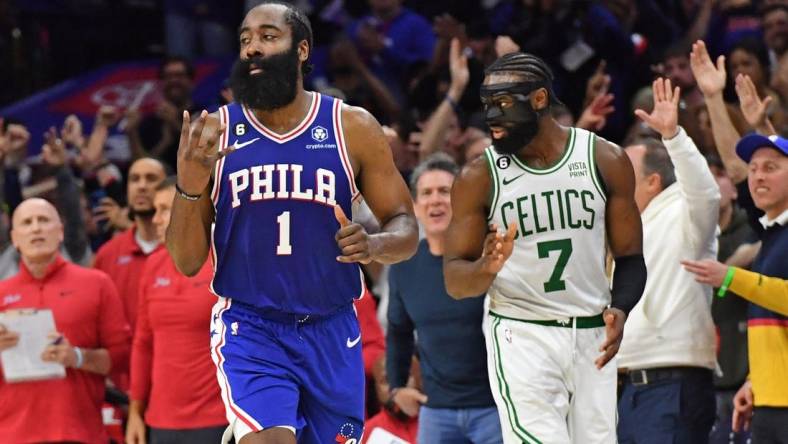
23	362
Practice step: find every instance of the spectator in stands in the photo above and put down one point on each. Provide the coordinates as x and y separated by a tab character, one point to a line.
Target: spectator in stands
457	404
92	336
194	28
730	313
774	20
75	246
391	40
749	57
391	425
360	85
124	256
668	348
173	381
759	168
157	134
373	345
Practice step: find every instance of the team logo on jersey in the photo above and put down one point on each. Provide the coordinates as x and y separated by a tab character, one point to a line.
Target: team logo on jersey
124	260
503	162
508	335
345	434
240	129
161	282
234	329
11	298
319	134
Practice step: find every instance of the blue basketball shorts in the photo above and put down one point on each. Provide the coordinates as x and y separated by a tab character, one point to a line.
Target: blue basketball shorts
306	375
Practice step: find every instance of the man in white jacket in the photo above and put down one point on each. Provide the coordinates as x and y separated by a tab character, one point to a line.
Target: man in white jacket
667	356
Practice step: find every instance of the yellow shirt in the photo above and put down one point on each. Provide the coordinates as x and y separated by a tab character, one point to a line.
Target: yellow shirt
767	336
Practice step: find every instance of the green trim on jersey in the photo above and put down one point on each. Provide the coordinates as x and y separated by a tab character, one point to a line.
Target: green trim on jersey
580	321
503	388
568	147
494	176
592	164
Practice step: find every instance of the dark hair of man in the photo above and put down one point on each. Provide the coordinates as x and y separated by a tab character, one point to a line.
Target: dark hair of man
168	182
300	27
528	68
435	162
677	50
768	9
170	60
656	160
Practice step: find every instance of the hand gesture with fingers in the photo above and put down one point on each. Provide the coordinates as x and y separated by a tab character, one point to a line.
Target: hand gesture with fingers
664	117
198	152
710	79
458	68
54	150
742	408
353	240
752	107
498	247
71	133
594	117
614	333
116	216
707	271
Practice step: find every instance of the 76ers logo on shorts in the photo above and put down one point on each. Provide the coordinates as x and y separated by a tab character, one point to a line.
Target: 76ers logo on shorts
345	434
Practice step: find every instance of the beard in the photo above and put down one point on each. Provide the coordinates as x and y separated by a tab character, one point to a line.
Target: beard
143	213
517	136
271	89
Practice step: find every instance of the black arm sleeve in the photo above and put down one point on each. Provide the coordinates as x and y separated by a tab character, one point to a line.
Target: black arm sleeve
629	281
399	337
75	236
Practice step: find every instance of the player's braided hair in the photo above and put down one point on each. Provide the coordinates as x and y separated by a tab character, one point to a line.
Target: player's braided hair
530	67
300	27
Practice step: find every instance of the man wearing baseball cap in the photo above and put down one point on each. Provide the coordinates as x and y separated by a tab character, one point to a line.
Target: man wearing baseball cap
764	195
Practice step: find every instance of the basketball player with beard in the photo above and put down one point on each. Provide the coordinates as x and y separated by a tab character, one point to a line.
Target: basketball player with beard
532	220
287	167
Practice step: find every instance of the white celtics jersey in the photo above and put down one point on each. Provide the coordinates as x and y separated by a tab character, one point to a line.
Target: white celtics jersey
557	268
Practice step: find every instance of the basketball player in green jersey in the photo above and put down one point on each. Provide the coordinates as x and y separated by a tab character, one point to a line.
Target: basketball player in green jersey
533	219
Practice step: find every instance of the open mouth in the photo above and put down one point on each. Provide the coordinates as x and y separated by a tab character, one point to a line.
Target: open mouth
254	70
38	240
497	132
436	214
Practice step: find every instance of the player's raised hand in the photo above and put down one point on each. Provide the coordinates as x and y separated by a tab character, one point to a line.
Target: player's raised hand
710	79
664	117
498	246
614	333
352	239
198	152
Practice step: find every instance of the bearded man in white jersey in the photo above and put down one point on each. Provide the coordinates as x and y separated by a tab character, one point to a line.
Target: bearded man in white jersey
563	197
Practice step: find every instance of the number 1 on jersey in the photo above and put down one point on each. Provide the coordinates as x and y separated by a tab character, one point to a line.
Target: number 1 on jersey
284	248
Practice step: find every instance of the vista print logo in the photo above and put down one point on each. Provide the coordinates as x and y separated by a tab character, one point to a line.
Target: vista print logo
319	134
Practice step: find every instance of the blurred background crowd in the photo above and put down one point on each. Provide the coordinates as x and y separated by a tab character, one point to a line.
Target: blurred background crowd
110	80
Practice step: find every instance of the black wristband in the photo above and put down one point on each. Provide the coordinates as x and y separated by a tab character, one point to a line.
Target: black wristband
629	281
185	195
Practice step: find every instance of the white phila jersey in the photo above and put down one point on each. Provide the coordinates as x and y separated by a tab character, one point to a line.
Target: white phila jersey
557	267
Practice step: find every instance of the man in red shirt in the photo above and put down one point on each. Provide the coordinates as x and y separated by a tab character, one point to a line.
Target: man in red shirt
173	381
123	257
93	336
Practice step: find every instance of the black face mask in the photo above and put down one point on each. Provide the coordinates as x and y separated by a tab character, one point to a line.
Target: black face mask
274	88
520	120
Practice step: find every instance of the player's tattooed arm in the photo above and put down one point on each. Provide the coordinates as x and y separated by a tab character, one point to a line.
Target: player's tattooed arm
197	155
625	238
383	189
474	252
